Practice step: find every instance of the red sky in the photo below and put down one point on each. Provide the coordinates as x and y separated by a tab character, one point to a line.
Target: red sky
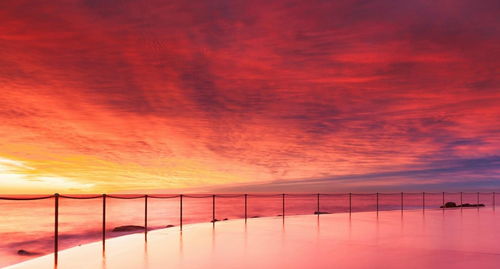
101	96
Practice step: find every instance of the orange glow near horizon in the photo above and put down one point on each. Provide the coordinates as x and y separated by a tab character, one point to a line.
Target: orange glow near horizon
203	95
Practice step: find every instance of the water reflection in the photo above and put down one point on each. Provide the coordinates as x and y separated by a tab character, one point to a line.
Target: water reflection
146	256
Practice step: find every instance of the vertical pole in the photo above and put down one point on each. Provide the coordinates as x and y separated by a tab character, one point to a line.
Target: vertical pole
246	215
317	203
213	209
423	201
146	217
180	211
443	200
377	203
350	203
103	223
494	201
56	228
478	198
283	206
401	202
461	201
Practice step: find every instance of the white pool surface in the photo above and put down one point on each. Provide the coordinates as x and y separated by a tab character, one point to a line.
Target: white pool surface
454	238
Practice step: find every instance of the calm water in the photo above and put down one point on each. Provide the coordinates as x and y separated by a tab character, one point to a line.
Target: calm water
29	225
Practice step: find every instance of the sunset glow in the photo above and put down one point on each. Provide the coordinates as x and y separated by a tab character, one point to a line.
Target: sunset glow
125	96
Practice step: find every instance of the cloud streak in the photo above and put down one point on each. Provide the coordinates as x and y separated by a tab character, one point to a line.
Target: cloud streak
148	94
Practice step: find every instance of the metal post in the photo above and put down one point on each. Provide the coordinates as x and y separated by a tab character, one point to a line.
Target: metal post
317	203
213	209
146	217
283	198
423	201
443	200
477	199
377	203
180	211
461	201
246	215
401	202
494	200
103	223
56	228
350	203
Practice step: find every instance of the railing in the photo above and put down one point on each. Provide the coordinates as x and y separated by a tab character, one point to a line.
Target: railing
213	197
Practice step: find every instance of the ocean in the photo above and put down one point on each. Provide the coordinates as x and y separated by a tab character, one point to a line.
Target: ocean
29	225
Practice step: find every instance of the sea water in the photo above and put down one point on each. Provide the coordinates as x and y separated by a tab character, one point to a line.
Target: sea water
29	225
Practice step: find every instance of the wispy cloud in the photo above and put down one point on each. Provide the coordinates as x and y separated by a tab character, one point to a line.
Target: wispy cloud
147	95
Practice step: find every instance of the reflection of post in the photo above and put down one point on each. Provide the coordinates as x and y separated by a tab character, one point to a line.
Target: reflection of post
283	200
180	211
246	215
103	223
56	227
146	217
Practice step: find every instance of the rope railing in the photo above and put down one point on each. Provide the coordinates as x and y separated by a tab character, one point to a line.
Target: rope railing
264	195
126	197
80	197
163	197
229	195
198	196
300	195
317	196
26	198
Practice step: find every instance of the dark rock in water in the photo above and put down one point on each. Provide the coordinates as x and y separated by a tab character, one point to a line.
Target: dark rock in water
214	220
254	217
453	205
279	215
23	252
449	204
320	212
128	228
225	219
170	226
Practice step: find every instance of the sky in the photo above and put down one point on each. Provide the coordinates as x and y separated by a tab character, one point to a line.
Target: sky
237	96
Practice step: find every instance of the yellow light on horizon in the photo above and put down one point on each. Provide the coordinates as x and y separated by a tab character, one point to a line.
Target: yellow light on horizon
18	177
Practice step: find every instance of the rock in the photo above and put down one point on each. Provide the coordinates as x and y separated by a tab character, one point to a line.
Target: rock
170	226
225	219
471	205
214	220
23	252
320	212
279	215
453	205
254	217
449	205
128	228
